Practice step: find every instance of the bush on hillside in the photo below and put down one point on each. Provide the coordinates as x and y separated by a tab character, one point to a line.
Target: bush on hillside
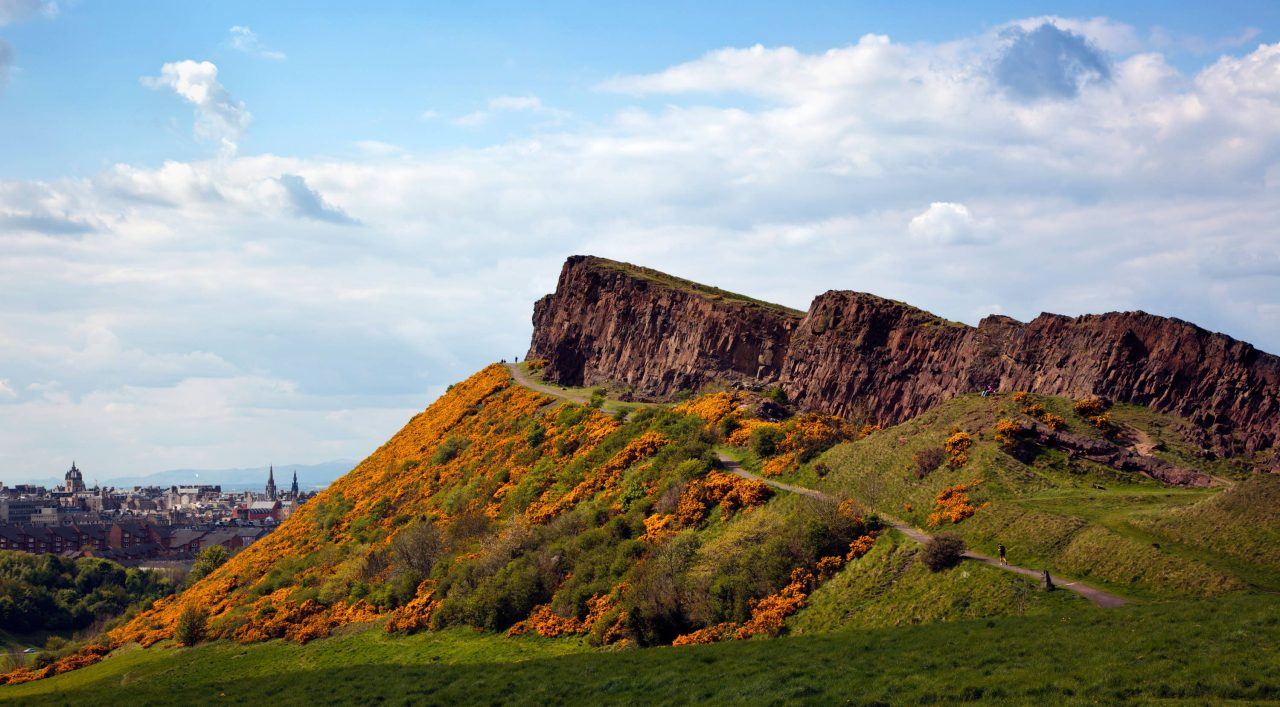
419	546
943	551
209	559
927	461
192	625
449	449
765	440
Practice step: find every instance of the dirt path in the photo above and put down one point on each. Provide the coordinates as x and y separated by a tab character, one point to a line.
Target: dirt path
1097	596
525	380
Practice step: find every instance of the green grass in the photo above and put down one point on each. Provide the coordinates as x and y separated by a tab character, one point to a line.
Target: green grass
1117	530
890	587
683	285
1192	651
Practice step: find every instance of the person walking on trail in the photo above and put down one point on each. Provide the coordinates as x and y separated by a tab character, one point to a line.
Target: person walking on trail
1001	550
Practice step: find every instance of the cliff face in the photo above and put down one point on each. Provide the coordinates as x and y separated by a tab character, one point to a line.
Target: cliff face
633	328
855	354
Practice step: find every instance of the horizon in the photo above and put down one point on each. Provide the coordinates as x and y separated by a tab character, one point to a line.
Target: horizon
237	232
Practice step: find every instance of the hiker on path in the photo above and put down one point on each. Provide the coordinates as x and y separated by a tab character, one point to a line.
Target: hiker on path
1001	550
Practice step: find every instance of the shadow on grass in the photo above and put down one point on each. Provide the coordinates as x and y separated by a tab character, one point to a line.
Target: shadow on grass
1206	651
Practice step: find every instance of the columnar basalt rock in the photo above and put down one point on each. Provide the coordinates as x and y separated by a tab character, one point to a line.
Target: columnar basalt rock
614	324
859	355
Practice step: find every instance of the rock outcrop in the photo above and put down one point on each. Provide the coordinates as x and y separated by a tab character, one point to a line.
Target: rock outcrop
638	329
859	355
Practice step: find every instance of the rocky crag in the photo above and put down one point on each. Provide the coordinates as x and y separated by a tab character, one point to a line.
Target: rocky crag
858	355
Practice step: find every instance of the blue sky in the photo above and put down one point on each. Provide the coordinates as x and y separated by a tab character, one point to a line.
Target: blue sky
237	232
354	73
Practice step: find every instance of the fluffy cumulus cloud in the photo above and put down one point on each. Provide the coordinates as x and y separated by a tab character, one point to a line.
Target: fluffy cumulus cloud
219	117
946	223
226	311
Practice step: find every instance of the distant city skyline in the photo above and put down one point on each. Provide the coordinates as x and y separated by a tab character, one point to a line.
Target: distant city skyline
235	232
312	476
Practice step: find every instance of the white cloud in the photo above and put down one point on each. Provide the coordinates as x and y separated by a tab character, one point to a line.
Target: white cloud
946	223
247	41
377	148
506	104
19	10
6	390
219	117
233	279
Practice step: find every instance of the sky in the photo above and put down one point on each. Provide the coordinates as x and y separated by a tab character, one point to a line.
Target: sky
234	233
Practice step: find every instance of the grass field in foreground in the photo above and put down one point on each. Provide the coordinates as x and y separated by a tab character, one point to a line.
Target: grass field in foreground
1193	651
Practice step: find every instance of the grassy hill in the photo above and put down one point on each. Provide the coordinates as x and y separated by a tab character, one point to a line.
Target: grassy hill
592	539
1117	529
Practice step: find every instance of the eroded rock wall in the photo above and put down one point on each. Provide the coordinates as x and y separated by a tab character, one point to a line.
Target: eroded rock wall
859	355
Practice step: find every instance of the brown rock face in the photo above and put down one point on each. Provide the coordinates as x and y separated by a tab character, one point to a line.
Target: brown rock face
616	324
858	354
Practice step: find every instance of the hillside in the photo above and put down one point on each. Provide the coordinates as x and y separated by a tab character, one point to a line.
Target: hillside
566	525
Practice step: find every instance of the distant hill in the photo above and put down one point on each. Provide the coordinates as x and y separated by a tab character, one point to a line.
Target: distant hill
310	476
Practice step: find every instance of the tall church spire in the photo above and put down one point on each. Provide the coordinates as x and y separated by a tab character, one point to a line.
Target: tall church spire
294	489
271	483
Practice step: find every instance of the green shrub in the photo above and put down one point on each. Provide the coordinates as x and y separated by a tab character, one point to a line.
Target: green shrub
943	551
765	441
192	624
449	449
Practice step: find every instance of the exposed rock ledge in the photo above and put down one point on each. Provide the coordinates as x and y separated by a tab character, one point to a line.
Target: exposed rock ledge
853	353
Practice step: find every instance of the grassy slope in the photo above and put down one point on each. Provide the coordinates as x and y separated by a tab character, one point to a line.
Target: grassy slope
678	283
1202	650
889	587
1076	518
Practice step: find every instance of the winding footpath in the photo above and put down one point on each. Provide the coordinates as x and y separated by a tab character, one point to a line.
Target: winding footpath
1097	596
1093	594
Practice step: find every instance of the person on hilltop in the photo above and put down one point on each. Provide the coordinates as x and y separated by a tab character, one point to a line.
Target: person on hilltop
1001	550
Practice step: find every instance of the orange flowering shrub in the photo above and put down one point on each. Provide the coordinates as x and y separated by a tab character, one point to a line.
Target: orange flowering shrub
646	445
868	430
768	615
952	504
741	436
1054	422
535	365
82	658
712	408
548	624
1009	433
1037	411
957	448
859	547
710	634
659	527
779	465
417	613
1104	424
729	491
1090	406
